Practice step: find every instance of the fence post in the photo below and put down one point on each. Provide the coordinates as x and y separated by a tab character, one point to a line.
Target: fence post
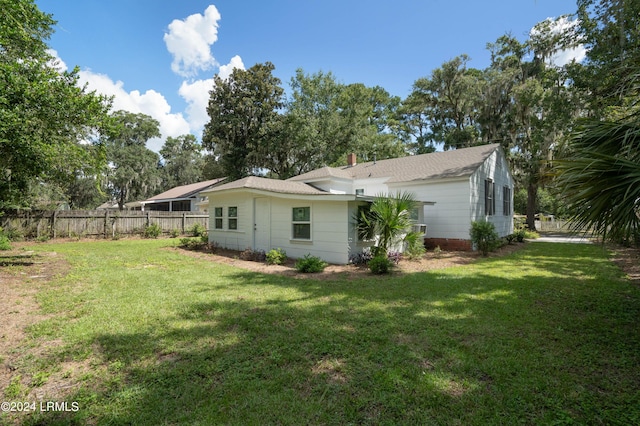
148	219
106	223
184	222
53	223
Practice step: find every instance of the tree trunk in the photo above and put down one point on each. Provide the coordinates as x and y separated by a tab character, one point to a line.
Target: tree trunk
532	195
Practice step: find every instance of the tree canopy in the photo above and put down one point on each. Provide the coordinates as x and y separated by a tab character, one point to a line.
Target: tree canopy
46	118
133	171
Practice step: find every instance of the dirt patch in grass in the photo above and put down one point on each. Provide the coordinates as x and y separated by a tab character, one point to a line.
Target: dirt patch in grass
430	261
22	274
628	259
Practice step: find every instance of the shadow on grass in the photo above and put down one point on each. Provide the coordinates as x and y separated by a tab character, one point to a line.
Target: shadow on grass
485	344
17	260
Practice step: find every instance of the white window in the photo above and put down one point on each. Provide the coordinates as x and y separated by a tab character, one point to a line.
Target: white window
232	218
301	223
217	215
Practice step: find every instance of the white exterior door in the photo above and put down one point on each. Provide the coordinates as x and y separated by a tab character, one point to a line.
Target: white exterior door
262	224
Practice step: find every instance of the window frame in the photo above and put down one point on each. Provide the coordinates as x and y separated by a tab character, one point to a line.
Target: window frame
218	219
489	197
297	223
232	218
506	200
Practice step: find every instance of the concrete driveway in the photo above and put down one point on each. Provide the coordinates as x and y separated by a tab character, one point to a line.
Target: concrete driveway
559	237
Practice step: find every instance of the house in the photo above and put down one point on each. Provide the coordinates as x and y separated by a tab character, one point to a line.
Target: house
181	198
315	212
113	206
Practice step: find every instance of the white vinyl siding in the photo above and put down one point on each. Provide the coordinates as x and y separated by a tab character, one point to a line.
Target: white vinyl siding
450	216
494	168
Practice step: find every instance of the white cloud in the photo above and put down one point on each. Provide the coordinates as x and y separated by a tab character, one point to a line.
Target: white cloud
563	25
57	63
197	94
226	70
150	102
189	42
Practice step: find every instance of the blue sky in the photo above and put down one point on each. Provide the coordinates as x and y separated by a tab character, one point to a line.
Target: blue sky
159	56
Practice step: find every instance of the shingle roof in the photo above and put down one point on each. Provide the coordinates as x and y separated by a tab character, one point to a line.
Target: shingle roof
437	165
271	185
185	191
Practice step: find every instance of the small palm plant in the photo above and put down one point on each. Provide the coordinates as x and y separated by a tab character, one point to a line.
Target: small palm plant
388	219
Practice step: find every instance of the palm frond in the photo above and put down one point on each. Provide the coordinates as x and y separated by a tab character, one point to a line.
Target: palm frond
600	178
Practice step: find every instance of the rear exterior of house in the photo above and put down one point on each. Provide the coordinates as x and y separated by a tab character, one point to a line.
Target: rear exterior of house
485	194
315	213
255	216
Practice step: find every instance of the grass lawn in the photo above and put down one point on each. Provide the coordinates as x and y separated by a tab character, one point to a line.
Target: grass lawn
148	335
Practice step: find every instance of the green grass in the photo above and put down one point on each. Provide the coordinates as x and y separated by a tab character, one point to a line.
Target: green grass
547	335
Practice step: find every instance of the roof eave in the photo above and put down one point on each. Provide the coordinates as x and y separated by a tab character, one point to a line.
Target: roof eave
288	195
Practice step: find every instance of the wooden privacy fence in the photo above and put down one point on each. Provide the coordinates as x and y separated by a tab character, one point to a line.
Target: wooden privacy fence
97	223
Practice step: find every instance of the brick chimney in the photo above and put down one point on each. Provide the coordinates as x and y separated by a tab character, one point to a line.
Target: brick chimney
351	159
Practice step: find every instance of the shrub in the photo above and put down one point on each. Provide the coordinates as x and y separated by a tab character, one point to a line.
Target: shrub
437	252
43	238
190	243
13	234
520	235
510	238
5	244
197	230
310	264
174	233
276	256
380	265
152	231
484	236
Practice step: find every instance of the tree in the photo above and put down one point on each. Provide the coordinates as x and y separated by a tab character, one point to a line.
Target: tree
325	120
610	31
133	168
414	113
243	111
600	178
540	106
309	135
598	172
183	162
449	100
367	117
44	115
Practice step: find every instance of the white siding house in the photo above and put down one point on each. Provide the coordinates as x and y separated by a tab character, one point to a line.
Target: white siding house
314	212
